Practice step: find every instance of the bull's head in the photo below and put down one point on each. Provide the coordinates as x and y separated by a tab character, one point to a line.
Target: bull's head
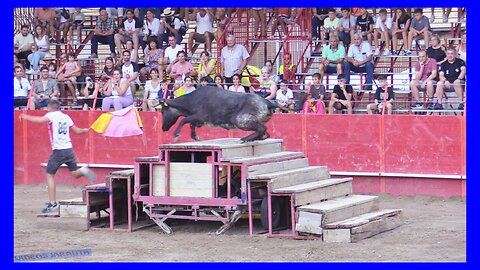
170	115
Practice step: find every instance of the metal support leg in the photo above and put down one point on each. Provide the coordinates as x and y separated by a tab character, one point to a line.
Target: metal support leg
235	217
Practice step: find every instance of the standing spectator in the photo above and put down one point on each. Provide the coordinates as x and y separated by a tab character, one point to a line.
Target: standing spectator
172	26
204	34
346	27
259	18
130	72
118	91
44	89
365	25
330	24
319	15
104	33
68	74
77	24
237	84
153	91
359	59
46	18
22	44
452	77
420	27
206	68
342	96
400	28
384	29
129	30
221	20
171	52
425	76
182	68
21	86
151	28
220	83
283	19
41	48
234	58
267	88
63	19
316	95
284	98
332	58
436	50
383	98
153	60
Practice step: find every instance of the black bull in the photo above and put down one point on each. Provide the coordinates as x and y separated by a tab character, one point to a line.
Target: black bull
220	108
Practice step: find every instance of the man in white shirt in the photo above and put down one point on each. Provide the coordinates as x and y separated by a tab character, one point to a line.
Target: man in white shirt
130	71
21	86
59	125
171	53
204	34
129	31
234	59
359	60
384	29
23	43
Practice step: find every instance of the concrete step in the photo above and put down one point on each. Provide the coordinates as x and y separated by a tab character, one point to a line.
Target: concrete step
363	226
294	177
267	157
276	166
342	208
319	190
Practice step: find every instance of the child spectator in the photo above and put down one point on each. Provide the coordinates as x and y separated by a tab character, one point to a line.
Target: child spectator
383	98
330	24
284	98
342	96
52	70
219	82
401	24
384	29
365	25
346	27
315	96
420	27
237	84
68	74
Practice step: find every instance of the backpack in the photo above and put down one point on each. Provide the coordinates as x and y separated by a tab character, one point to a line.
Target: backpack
183	26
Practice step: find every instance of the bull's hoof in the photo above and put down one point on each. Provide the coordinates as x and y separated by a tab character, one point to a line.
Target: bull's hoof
196	138
265	136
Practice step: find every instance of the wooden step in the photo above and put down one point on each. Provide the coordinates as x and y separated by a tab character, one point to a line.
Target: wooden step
128	172
276	166
267	157
318	190
147	159
342	208
363	226
294	177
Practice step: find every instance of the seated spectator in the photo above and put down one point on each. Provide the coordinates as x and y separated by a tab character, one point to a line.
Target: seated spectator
237	84
172	26
221	20
185	89
315	96
203	82
383	98
46	18
153	91
108	69
273	76
89	93
153	60
330	25
52	70
287	70
384	29
332	58
436	50
365	25
68	74
284	98
462	48
104	33
130	72
319	15
452	78
259	18
23	43
63	19
220	82
174	90
171	52
133	53
21	86
425	78
346	27
118	92
234	59
206	68
151	29
182	68
44	89
359	60
267	88
78	18
16	63
342	96
401	24
283	16
129	30
115	13
420	27
41	48
204	34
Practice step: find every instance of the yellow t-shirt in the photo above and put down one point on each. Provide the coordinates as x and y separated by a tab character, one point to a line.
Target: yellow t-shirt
201	70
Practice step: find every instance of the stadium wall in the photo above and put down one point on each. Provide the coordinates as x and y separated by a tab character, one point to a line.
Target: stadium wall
396	154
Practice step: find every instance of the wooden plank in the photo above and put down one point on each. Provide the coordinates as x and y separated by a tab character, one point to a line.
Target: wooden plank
147	159
277	166
336	236
191	180
262	149
313	185
363	219
375	227
294	177
96	186
309	223
324	193
158	181
221	143
68	224
266	157
77	201
245	151
129	172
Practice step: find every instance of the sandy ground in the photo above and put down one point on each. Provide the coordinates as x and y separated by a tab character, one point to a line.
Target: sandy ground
434	229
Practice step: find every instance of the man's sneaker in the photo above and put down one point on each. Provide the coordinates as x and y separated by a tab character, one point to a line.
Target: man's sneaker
430	106
432	19
417	106
30	71
189	55
377	52
445	18
386	52
407	52
88	174
438	106
50	207
94	55
461	106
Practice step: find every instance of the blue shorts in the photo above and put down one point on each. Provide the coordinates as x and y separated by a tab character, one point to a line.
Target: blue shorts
42	103
59	157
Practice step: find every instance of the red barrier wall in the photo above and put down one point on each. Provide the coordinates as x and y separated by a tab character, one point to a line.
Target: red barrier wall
351	143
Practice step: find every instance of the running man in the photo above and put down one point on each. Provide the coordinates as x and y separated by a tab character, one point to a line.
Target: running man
59	125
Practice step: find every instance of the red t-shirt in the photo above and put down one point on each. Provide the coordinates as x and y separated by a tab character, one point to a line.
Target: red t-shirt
427	70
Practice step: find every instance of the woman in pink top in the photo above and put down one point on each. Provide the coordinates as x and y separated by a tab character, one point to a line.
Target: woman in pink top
237	86
68	74
182	68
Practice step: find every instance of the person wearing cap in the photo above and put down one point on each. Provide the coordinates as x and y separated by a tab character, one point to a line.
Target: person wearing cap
204	34
172	25
234	59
